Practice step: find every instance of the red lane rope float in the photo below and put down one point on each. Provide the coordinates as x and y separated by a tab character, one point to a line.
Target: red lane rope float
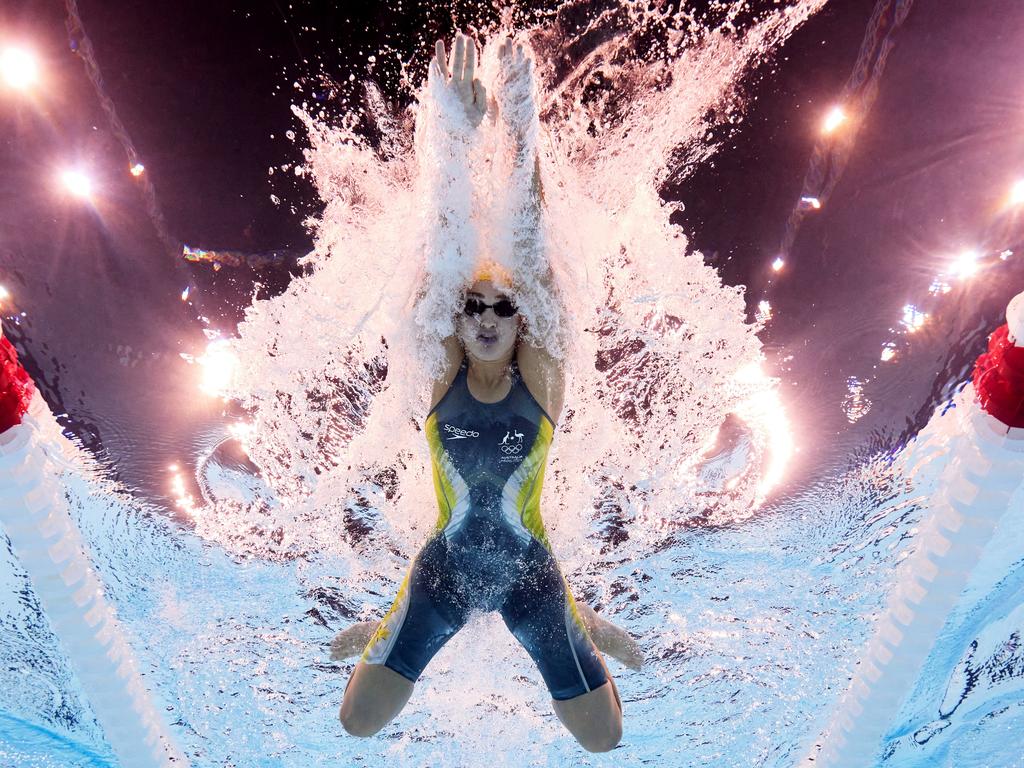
16	387
999	379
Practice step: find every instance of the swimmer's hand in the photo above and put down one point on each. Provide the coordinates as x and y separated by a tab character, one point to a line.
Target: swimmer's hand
610	639
461	77
352	640
514	90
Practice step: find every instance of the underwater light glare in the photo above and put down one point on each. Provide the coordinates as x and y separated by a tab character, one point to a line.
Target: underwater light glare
182	498
835	118
765	411
1017	193
778	264
242	432
77	183
965	265
218	367
19	68
913	318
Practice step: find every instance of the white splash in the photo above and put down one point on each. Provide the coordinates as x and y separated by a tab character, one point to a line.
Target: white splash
336	370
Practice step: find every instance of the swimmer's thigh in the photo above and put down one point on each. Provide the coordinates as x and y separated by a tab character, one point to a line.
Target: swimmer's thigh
423	617
541	613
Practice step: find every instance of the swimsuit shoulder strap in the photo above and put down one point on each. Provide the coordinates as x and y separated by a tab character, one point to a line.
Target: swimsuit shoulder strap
460	375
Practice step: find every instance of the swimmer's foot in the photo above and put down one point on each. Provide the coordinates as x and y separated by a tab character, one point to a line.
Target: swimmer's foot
352	640
610	639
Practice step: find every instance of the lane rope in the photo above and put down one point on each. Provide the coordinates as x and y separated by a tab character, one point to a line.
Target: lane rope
35	515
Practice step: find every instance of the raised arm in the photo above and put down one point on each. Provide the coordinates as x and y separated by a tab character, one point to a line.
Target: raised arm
518	113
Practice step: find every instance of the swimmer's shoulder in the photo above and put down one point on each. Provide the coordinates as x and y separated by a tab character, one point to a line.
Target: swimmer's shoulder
454	354
542	374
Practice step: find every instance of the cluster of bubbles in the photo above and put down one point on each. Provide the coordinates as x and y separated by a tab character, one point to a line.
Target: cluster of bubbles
658	355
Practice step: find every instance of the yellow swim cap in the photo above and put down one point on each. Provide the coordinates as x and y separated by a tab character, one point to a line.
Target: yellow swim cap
492	271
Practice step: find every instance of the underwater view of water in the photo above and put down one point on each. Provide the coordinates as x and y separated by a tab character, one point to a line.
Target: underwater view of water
744	458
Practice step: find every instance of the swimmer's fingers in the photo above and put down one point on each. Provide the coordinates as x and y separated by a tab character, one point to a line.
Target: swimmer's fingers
435	70
458	60
464	77
441	59
610	639
352	640
469	75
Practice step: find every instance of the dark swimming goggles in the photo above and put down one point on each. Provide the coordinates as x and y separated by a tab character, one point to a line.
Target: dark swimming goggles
502	308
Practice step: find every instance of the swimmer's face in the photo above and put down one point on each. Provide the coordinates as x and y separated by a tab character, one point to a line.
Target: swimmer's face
485	335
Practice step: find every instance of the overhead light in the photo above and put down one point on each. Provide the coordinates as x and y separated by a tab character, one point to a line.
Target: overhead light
19	68
77	183
966	264
835	118
1017	193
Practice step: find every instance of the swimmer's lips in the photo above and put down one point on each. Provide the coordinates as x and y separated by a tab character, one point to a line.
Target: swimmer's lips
487	338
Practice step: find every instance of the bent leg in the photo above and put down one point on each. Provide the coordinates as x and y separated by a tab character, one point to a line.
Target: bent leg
426	613
542	614
610	639
594	718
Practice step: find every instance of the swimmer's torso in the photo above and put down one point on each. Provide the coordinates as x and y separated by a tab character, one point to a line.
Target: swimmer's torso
489	551
488	466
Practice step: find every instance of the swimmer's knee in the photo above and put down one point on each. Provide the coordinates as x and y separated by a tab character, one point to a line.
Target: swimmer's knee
604	741
373	698
593	718
356	723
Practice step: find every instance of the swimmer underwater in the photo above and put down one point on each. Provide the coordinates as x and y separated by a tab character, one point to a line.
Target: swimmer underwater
489	550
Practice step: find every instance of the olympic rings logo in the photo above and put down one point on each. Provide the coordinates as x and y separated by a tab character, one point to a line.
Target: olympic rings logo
509	449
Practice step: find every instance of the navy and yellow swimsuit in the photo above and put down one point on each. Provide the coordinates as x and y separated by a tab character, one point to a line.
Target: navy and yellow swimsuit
489	550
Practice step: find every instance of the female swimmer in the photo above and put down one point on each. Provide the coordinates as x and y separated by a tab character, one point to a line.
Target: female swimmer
492	417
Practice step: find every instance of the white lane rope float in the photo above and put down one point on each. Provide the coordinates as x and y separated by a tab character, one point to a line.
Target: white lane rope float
34	513
974	491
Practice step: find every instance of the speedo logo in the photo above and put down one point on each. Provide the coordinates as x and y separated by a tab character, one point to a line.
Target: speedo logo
454	433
